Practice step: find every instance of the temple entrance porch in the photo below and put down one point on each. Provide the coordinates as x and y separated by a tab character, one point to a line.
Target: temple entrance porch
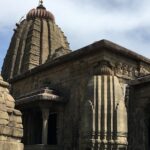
40	131
38	128
42	121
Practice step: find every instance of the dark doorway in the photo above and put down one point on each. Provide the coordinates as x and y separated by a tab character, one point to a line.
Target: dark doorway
52	129
32	124
37	128
148	134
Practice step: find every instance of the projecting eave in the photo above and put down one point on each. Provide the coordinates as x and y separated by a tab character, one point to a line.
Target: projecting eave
141	81
41	96
85	51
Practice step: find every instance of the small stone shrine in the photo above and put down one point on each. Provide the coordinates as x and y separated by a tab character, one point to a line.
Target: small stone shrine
11	129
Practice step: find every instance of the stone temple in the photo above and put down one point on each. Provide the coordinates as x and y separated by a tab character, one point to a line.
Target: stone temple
11	129
94	98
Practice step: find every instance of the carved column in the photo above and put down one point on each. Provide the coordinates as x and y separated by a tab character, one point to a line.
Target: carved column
45	115
104	115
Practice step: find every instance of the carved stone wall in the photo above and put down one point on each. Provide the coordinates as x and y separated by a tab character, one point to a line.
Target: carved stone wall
104	115
11	129
139	114
83	81
36	40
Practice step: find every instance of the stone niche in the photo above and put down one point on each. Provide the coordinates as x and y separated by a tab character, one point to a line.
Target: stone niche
11	129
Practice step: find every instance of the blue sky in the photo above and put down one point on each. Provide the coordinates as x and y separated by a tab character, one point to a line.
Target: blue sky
125	22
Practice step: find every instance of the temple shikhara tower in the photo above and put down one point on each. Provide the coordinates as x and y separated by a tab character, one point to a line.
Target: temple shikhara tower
72	100
36	40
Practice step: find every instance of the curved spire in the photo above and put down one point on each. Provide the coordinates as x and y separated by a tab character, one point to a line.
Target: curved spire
37	40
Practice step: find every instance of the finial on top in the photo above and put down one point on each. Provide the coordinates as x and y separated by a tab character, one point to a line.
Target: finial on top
41	2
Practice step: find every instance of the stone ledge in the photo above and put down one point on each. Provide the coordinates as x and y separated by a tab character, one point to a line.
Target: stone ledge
41	147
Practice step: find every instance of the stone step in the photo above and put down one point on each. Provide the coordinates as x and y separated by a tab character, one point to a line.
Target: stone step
41	147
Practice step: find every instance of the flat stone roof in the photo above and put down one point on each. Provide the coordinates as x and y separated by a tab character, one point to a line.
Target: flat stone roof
85	51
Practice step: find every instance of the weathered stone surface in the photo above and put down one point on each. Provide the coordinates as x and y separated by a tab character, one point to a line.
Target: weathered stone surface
94	117
36	41
4	115
4	145
4	122
102	112
84	91
3	138
11	130
15	112
139	114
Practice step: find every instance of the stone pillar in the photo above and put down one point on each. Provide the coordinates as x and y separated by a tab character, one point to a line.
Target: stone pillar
104	115
45	115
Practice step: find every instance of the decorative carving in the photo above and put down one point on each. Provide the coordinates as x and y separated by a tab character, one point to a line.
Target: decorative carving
122	69
125	69
59	52
103	68
119	68
127	96
143	71
130	71
135	72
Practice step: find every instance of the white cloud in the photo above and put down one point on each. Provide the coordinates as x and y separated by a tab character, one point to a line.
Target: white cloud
86	21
